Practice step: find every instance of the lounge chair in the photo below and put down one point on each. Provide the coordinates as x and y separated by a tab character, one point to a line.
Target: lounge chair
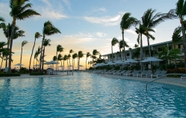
135	73
121	72
183	76
156	73
127	72
145	73
161	74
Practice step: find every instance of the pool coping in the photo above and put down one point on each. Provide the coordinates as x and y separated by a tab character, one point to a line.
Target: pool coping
165	80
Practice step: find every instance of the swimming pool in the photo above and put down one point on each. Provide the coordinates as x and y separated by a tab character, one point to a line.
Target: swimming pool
89	95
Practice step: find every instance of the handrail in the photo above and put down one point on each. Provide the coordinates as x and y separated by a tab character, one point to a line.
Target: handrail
151	82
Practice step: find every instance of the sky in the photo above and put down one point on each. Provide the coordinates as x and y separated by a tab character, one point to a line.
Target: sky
86	25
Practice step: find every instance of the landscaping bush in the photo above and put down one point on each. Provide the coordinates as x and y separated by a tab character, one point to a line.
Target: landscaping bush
177	70
37	73
9	74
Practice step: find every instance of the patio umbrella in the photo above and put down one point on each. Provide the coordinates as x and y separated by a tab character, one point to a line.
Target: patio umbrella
18	64
119	62
151	59
52	62
110	63
36	65
131	61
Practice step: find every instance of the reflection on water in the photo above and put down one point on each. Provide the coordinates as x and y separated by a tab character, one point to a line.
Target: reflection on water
89	95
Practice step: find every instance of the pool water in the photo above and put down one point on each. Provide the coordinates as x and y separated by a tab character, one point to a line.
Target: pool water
89	95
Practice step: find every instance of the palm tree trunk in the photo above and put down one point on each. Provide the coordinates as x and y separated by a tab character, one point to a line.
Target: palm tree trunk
11	44
123	46
184	43
1	64
141	50
78	62
43	58
21	57
112	53
41	55
32	54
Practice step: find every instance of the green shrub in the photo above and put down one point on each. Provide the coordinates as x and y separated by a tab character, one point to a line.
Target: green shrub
9	74
37	73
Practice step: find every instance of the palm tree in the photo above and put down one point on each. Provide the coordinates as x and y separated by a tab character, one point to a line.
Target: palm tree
37	35
36	55
176	37
65	58
59	48
48	29
20	10
167	54
121	45
1	20
180	12
22	45
60	58
126	22
151	20
71	51
79	55
87	55
140	31
2	52
7	32
74	56
45	44
113	42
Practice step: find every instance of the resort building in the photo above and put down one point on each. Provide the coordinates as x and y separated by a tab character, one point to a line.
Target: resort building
135	53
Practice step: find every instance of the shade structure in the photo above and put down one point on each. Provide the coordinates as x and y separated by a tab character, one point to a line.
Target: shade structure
130	61
36	65
151	59
119	62
110	63
99	64
52	62
18	64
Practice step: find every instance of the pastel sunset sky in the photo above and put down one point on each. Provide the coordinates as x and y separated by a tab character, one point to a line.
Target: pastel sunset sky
85	24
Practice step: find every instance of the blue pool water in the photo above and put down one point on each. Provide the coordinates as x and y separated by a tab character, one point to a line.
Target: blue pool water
89	95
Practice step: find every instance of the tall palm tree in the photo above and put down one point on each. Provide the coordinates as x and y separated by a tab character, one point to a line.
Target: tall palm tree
113	43
140	31
74	56
79	55
60	58
36	54
45	44
2	52
7	32
37	35
65	58
121	45
20	10
21	55
48	29
180	12
87	55
126	22
70	52
59	49
151	20
1	22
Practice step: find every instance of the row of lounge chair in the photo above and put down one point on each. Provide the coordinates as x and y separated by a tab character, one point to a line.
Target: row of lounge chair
134	73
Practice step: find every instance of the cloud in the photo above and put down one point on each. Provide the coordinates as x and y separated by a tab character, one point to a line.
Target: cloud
100	34
51	11
107	21
67	3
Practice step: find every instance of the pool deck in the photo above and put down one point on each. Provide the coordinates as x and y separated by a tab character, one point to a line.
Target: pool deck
166	80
